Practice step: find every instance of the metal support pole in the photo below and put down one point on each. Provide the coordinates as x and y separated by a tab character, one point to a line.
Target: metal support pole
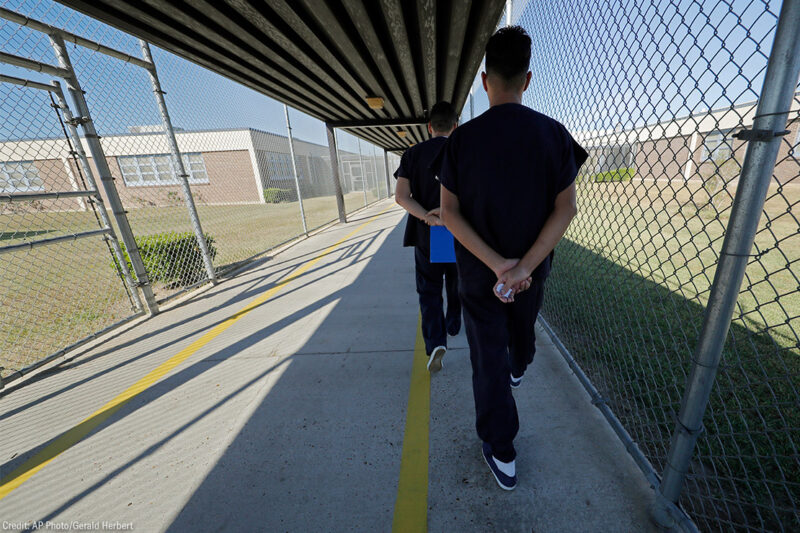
471	106
178	164
388	174
337	184
98	199
509	6
99	157
783	69
375	172
294	169
363	173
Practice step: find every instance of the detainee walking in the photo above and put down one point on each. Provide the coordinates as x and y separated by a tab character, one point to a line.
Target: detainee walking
417	192
508	195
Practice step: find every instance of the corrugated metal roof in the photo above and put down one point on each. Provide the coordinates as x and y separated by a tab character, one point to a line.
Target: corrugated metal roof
326	57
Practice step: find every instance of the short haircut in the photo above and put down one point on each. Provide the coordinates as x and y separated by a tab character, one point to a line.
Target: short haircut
508	54
443	117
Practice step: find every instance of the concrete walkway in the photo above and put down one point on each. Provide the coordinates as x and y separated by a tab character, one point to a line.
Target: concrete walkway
290	415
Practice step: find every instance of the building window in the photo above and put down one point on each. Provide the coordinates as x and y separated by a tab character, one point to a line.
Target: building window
156	169
716	147
279	166
20	176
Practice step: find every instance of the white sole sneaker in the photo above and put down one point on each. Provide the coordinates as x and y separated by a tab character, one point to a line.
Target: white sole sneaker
435	360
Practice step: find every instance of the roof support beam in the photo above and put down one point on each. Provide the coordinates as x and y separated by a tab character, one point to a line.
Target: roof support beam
376	123
366	29
426	20
397	28
328	21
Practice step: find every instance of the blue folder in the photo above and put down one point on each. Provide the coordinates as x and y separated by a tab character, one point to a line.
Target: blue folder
442	247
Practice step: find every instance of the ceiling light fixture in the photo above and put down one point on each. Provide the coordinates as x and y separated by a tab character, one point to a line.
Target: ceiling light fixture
375	102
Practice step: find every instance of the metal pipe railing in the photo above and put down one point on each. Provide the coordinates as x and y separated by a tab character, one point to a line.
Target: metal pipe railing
98	155
29	245
179	166
25	83
22	20
31	196
30	64
294	168
100	208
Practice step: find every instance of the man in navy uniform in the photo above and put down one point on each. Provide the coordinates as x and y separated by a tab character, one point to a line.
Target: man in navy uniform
508	195
418	193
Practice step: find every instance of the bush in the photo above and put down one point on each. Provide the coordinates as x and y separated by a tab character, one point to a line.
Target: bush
620	174
171	257
274	195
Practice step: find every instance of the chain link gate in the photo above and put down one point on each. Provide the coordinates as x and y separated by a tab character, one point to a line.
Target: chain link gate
658	92
50	207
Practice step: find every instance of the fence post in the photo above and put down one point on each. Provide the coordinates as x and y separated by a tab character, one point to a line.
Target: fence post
178	163
471	106
769	124
99	157
363	173
294	169
337	184
388	174
101	208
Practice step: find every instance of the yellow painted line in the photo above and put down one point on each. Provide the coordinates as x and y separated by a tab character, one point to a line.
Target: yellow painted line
72	436
411	506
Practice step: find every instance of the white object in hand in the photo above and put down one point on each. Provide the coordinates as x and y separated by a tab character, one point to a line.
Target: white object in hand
500	291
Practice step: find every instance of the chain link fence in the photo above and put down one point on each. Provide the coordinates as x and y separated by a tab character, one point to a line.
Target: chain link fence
656	92
258	174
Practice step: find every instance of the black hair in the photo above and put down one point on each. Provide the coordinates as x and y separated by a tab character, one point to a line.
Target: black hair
508	54
442	117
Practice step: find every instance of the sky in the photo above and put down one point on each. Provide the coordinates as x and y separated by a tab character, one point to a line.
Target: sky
594	65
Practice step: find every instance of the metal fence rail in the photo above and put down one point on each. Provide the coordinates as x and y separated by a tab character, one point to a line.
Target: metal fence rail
659	92
199	175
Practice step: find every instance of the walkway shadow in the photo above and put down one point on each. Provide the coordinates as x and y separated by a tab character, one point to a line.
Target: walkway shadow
634	338
349	333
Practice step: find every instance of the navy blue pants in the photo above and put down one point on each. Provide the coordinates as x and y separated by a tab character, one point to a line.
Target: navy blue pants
431	278
501	340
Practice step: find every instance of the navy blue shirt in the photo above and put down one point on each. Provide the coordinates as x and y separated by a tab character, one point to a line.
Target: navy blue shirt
415	166
514	151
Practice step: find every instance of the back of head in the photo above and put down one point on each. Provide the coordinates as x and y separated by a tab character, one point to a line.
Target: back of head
508	55
443	117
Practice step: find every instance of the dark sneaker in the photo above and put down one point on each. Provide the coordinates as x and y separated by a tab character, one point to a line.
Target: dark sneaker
435	359
516	382
506	481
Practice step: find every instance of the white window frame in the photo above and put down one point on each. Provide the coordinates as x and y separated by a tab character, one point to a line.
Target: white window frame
722	144
26	168
142	165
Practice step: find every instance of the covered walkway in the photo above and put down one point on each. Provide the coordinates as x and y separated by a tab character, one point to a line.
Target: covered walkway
277	401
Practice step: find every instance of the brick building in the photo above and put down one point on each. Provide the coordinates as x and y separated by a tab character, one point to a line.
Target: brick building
694	147
224	167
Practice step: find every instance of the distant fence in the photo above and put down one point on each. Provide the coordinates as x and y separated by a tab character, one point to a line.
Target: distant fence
192	176
658	93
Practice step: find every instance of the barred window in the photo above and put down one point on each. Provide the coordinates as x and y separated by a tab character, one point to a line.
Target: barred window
717	146
20	176
156	169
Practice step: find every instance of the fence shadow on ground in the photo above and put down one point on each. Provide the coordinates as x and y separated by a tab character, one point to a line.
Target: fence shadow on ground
634	338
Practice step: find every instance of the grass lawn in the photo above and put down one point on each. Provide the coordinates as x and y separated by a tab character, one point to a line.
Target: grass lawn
627	296
55	295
